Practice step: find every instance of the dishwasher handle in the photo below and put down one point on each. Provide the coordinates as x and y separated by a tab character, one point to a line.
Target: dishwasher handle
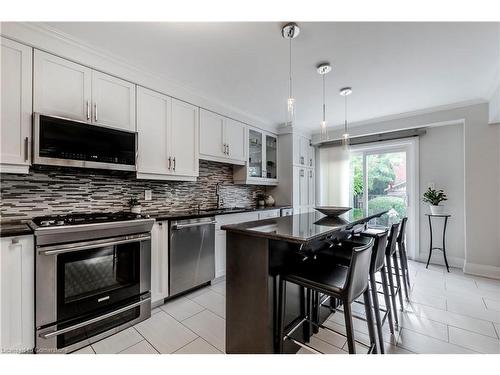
190	225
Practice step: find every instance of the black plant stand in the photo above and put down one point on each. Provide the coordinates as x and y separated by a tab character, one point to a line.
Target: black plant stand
443	249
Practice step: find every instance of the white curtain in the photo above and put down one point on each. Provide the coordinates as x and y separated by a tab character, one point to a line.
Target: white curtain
334	176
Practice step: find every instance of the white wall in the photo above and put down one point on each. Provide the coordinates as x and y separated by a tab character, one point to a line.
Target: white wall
481	176
441	163
494	107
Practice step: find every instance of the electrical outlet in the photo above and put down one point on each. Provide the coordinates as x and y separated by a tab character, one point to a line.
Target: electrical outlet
148	195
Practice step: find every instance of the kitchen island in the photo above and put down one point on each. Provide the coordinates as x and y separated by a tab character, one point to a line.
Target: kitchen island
256	252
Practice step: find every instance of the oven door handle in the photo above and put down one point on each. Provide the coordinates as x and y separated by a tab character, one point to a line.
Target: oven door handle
94	320
58	250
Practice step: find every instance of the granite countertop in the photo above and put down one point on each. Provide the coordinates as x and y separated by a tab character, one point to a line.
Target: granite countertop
15	228
193	214
300	228
20	227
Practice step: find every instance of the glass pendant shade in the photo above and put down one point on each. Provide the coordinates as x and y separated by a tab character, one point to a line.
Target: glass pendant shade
290	120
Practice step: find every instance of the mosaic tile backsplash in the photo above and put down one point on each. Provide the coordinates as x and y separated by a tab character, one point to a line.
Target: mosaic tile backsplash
54	191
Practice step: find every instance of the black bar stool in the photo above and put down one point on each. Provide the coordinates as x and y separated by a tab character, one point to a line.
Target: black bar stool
403	258
342	254
390	257
344	283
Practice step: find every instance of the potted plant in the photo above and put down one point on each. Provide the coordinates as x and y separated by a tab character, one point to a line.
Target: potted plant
434	197
135	205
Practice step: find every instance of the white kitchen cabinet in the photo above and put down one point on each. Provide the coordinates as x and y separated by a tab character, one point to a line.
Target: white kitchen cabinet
212	143
261	167
61	87
234	137
159	262
17	294
221	139
183	140
66	89
16	106
311	188
153	113
220	237
301	151
168	137
311	156
113	101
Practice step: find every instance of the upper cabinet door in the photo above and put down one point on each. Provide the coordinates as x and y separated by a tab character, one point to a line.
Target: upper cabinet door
61	87
304	151
184	139
153	113
211	134
113	101
271	157
255	154
234	135
15	116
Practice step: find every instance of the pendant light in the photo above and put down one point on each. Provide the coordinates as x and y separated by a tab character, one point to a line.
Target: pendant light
290	31
323	69
345	92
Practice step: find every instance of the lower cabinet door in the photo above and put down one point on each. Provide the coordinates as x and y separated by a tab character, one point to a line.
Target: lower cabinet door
220	253
159	262
17	294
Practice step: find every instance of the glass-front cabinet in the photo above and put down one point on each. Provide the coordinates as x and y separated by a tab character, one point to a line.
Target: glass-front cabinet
262	164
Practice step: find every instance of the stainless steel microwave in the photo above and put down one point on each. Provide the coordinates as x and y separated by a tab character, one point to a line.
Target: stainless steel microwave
68	143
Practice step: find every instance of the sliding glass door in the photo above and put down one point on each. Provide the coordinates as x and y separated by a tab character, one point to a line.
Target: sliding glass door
382	178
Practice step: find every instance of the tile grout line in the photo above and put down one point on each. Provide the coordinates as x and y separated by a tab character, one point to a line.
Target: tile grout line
196	333
154	347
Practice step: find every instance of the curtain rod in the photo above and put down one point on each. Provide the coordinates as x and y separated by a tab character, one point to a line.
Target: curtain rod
376	137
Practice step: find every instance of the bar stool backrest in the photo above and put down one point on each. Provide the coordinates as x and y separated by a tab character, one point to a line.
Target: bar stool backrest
357	277
402	231
392	239
378	255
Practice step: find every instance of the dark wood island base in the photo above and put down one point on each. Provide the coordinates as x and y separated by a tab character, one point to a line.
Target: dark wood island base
255	254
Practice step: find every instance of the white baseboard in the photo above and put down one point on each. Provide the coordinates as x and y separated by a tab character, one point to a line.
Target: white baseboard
437	258
482	270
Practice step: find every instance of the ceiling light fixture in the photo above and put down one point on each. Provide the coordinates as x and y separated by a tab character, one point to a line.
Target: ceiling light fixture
290	31
323	69
345	92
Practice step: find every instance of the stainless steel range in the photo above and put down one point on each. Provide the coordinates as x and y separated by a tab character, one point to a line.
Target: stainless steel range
93	277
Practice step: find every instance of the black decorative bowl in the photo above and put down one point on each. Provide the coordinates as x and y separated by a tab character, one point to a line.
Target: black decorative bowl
332	211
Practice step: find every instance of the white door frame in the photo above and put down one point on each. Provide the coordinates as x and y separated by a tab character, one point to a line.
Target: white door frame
411	147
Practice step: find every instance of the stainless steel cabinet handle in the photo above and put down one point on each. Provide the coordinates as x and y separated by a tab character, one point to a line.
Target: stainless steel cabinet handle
169	163
301	160
228	150
95	320
182	226
88	110
174	163
60	249
26	149
95	112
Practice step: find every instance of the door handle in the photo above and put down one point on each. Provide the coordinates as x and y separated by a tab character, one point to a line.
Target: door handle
169	163
26	149
174	163
95	112
182	226
88	110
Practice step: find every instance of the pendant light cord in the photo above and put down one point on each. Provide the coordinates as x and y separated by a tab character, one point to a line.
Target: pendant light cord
324	106
345	111
290	70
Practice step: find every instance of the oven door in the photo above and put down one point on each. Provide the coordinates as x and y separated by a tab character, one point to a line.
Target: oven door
85	278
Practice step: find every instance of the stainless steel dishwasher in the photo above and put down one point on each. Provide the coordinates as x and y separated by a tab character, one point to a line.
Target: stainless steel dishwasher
192	253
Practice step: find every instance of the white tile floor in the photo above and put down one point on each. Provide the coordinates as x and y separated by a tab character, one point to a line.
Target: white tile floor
447	313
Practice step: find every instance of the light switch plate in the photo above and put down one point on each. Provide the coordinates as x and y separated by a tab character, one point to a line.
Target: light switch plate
148	195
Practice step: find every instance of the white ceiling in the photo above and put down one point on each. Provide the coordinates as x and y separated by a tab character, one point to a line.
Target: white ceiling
392	67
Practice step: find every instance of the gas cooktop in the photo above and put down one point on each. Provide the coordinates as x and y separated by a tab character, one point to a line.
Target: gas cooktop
91	218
